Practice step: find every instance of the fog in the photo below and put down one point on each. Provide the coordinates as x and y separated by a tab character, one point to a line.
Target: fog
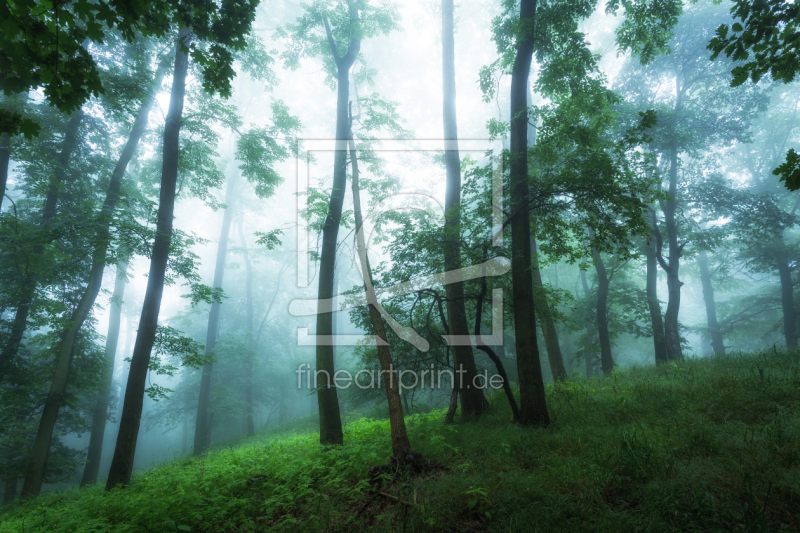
728	206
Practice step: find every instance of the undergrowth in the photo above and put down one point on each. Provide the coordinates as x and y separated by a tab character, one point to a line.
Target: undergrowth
706	445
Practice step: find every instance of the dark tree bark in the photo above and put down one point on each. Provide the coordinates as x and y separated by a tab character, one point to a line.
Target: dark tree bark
5	156
669	207
401	447
787	294
20	323
125	450
100	412
711	306
492	355
63	365
591	366
472	400
546	319
533	405
603	282
330	420
248	289
656	319
202	433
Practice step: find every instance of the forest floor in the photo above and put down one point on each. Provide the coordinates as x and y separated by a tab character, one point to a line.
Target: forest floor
707	445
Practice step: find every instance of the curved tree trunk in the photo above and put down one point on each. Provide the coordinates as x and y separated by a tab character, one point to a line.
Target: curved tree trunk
202	430
533	405
472	400
330	419
100	412
711	306
546	319
125	450
401	447
492	355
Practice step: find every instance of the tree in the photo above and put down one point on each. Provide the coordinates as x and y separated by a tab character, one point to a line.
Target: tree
533	406
100	413
697	112
63	363
472	400
345	26
401	447
232	22
202	431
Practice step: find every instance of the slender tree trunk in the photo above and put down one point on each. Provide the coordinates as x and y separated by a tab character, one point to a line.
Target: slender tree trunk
603	282
20	323
492	355
787	296
546	319
450	416
656	320
248	289
472	400
5	156
63	365
100	412
533	405
401	447
711	305
591	365
202	434
330	419
669	206
122	462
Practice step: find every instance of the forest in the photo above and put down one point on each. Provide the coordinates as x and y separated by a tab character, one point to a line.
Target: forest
364	265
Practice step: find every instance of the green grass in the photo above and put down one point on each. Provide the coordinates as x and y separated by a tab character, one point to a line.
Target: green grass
707	445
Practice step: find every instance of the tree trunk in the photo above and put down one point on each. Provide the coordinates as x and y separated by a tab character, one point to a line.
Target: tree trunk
63	364
202	434
671	329
492	355
100	412
20	323
533	405
125	450
248	289
656	320
401	447
546	319
711	306
450	416
472	400
787	296
5	156
603	282
591	366
330	420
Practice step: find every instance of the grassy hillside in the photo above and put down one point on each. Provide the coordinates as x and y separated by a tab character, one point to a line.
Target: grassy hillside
708	445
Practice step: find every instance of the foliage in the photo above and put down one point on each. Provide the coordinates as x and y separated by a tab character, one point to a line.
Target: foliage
767	29
700	445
